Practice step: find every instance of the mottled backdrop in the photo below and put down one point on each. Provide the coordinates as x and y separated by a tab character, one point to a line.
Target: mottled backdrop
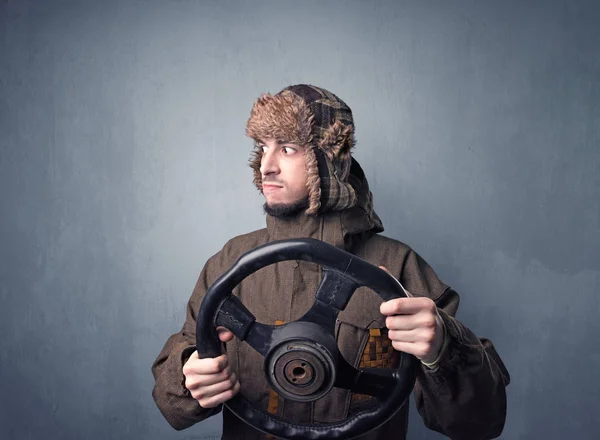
123	167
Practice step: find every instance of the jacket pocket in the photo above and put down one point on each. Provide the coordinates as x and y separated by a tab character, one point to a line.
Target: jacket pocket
365	347
361	332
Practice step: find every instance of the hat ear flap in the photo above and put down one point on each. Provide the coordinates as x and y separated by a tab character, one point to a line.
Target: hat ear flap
337	141
254	162
313	182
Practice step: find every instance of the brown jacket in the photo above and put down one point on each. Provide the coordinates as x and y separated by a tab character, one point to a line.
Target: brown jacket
463	399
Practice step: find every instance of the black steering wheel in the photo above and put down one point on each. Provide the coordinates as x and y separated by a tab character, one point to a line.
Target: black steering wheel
302	360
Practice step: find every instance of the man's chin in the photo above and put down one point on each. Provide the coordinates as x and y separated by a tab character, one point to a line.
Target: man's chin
286	209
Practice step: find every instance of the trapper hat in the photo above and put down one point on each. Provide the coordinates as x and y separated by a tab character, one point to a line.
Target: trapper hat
319	121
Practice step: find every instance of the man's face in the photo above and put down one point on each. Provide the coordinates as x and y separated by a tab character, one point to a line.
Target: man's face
283	172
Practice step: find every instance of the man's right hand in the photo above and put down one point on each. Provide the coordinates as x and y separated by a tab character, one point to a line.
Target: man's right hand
211	381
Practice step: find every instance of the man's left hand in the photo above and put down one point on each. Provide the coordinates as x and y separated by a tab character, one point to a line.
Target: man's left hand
415	326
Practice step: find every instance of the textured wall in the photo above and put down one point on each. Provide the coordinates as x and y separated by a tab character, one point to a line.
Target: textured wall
123	168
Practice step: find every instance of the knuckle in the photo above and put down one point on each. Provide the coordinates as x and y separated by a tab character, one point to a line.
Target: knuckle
431	306
223	362
189	384
214	365
429	321
390	323
423	351
226	373
429	336
224	385
205	403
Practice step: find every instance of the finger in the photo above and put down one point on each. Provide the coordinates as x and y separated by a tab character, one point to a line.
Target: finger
211	402
206	366
219	364
224	334
402	322
221	360
410	322
415	335
215	389
406	306
201	380
416	349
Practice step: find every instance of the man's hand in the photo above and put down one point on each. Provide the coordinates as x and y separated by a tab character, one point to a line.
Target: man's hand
211	381
415	326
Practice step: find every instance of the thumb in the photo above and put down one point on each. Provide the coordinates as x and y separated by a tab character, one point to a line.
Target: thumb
386	269
224	334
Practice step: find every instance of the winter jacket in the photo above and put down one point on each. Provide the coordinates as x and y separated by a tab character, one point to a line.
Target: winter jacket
464	398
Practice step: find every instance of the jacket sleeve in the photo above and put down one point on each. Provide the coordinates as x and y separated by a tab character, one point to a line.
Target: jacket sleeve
464	398
173	399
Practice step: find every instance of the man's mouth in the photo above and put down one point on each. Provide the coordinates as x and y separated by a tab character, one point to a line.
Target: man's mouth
271	186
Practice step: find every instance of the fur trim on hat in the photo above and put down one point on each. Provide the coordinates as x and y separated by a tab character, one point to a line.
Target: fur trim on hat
284	117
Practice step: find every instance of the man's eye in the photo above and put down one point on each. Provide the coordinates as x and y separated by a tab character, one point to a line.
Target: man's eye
263	148
289	150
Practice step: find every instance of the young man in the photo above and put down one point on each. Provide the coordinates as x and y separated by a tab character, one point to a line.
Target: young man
314	188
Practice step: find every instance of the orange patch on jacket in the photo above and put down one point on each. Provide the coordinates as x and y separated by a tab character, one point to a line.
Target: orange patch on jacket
378	353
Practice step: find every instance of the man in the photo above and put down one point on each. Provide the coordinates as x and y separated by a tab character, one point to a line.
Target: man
314	188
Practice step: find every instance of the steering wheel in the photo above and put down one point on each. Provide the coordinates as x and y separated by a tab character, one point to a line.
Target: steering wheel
301	359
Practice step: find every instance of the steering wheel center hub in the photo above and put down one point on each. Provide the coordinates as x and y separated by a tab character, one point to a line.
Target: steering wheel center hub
302	367
299	372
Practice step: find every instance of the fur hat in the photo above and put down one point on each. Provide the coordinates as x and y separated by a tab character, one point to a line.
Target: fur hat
322	123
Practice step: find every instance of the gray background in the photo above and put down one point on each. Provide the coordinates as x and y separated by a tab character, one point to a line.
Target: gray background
123	167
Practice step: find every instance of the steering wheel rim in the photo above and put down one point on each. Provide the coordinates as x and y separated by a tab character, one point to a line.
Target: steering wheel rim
343	274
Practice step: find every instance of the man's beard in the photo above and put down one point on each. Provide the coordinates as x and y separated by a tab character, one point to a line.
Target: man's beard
286	209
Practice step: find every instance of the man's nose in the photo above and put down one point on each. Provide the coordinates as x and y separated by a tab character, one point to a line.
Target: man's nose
269	164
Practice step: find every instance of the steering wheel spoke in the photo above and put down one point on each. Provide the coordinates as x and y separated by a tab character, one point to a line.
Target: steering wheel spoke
335	289
323	315
376	382
259	337
333	294
235	317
